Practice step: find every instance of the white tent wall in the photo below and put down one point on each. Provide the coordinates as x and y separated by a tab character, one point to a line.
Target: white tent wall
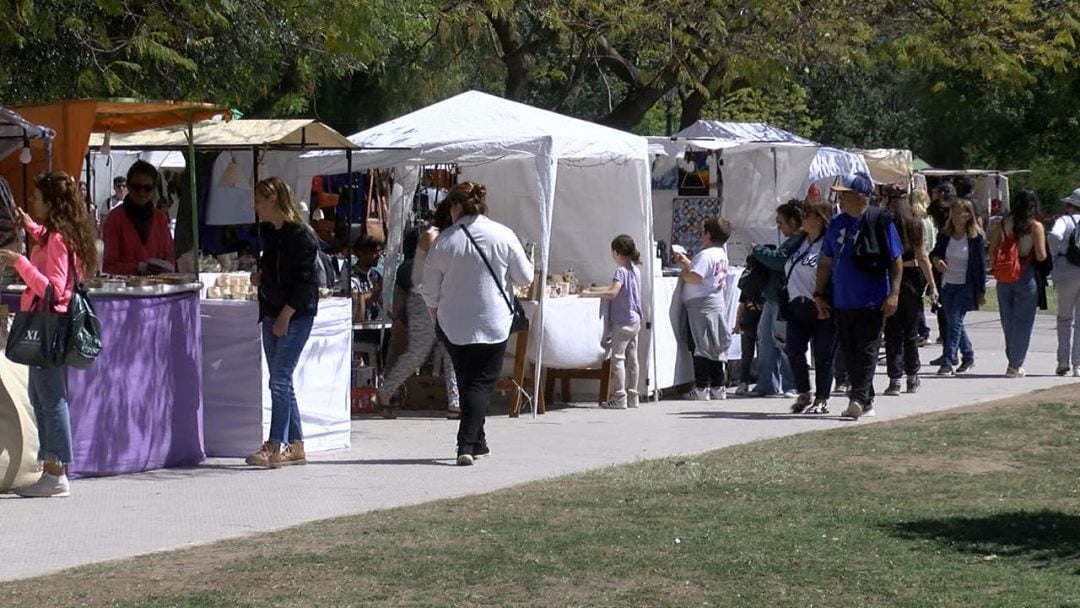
227	206
757	178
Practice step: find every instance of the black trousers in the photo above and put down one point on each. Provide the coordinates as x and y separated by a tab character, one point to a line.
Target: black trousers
707	373
859	333
477	367
902	329
748	335
805	331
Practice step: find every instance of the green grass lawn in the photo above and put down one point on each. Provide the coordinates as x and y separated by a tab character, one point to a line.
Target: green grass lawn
979	508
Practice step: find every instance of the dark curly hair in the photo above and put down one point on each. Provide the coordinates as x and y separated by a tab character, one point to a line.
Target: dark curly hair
68	217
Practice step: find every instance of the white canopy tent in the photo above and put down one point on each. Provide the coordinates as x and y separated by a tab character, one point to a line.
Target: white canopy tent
565	184
761	167
889	166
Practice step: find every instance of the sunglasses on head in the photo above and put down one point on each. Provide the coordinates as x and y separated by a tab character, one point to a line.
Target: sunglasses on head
141	187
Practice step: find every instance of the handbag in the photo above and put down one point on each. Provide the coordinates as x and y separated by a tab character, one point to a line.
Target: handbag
84	327
373	223
519	321
39	337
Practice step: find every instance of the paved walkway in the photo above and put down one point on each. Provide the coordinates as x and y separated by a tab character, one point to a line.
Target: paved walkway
408	461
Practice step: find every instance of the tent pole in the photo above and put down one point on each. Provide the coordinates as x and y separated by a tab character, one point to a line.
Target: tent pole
254	183
194	195
348	224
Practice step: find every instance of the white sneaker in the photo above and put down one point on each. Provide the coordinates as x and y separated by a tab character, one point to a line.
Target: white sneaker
854	410
632	401
718	394
614	403
47	486
1014	372
697	394
1076	371
744	388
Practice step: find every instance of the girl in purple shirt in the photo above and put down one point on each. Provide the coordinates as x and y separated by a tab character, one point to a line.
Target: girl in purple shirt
625	319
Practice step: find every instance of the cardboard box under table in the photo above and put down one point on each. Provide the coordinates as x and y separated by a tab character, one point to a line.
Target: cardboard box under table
236	381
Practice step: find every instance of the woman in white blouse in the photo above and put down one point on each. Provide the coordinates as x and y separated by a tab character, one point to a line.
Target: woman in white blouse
471	304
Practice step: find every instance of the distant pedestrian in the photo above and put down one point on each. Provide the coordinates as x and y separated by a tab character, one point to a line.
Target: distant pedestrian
1021	238
958	256
865	286
902	329
1065	247
775	376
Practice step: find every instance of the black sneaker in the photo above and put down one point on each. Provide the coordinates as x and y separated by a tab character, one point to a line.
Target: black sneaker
938	362
842	388
946	370
894	388
913	383
481	451
868	411
965	366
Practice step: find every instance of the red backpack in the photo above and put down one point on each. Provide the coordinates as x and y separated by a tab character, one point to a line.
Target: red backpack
1007	266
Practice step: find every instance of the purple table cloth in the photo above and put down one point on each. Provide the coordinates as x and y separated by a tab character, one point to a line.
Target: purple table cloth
139	406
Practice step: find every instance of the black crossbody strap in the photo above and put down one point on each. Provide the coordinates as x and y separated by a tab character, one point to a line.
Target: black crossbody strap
490	269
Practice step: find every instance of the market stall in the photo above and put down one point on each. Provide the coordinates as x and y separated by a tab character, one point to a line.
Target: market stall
744	172
237	401
565	184
139	406
236	397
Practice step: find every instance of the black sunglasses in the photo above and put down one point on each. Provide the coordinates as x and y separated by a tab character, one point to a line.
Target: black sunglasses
141	187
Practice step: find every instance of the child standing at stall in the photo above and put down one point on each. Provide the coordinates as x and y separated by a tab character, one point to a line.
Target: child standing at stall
625	320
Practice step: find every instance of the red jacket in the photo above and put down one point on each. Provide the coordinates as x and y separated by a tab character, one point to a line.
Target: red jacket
49	262
123	248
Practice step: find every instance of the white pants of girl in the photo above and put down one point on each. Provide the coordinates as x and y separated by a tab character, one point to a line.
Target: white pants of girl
624	364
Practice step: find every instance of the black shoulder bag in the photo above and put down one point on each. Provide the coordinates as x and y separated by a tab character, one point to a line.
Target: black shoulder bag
39	338
520	322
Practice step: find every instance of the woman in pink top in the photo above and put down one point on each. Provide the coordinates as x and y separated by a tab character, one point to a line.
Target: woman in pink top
62	252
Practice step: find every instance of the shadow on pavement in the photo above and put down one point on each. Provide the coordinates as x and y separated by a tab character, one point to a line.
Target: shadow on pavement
1048	538
756	416
438	462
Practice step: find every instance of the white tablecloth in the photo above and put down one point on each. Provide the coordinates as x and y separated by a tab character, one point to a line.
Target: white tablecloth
574	330
236	396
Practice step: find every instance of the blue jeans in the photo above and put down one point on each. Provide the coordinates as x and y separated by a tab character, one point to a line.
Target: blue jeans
282	355
48	395
774	369
956	301
1016	305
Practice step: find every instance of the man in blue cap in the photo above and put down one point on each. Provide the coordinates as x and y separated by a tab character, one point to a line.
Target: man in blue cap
858	282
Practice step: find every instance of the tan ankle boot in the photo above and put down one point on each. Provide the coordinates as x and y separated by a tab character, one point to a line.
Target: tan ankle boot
264	458
292	454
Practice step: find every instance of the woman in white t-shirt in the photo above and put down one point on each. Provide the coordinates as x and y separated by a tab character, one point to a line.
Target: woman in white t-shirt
804	329
704	279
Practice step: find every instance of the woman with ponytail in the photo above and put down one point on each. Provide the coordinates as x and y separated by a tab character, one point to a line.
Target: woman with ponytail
625	319
63	252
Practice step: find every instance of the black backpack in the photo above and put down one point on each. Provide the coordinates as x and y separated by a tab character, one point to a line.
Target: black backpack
1072	252
755	276
871	253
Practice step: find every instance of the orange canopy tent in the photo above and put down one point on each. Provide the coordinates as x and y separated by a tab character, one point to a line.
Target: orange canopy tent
74	120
